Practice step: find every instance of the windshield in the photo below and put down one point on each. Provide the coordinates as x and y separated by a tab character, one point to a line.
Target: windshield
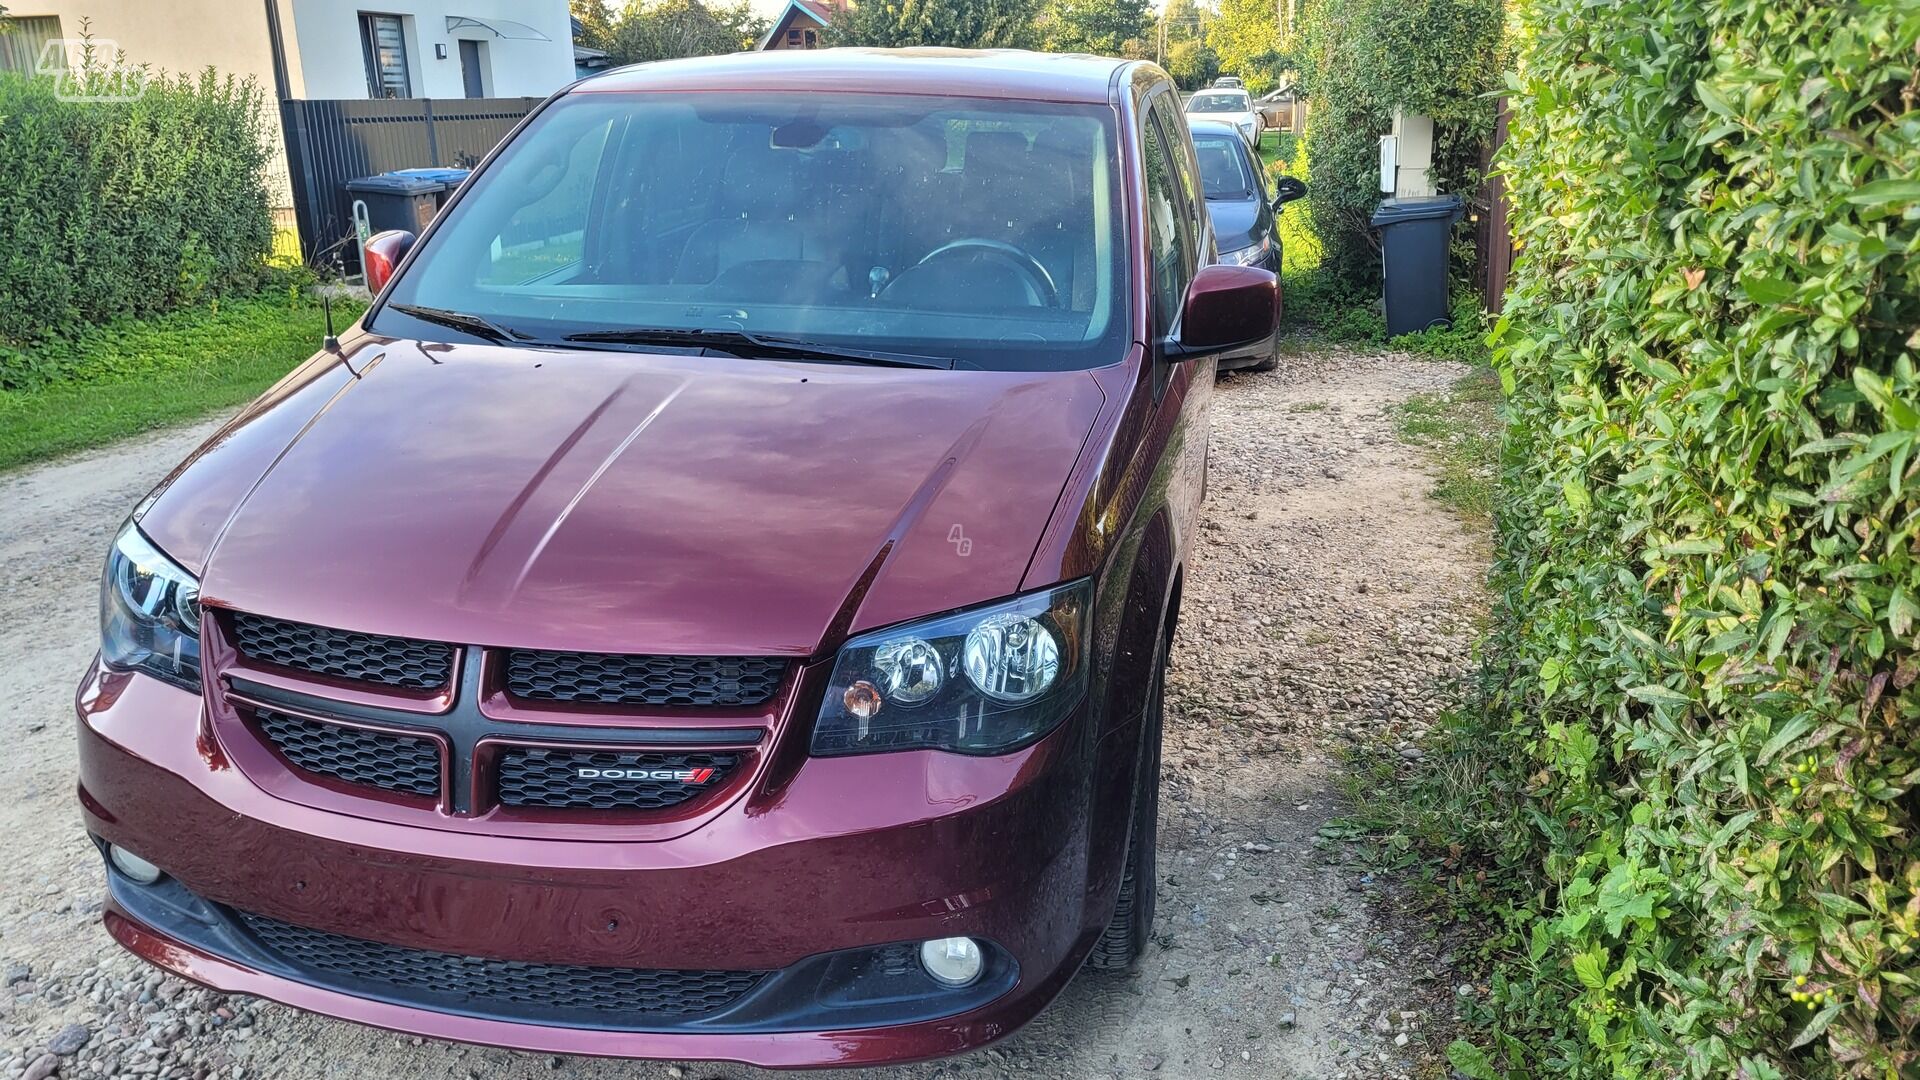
1218	103
1223	166
983	231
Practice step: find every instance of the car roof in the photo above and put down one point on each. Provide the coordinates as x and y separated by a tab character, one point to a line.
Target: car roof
1215	127
1008	74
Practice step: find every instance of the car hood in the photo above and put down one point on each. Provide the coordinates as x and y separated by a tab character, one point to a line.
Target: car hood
1234	221
623	502
1242	117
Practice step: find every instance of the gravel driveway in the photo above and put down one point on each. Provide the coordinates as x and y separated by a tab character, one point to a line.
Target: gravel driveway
1330	601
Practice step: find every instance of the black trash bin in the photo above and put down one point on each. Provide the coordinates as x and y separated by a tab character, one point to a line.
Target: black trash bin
1413	260
397	202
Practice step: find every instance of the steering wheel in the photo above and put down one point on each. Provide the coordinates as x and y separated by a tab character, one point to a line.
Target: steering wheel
1028	265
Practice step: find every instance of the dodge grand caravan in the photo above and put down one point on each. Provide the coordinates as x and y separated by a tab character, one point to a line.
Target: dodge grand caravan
714	603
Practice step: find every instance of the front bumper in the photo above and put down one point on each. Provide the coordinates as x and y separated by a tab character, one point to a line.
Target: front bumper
848	854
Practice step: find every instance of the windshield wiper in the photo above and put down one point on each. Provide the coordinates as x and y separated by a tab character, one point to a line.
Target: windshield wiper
747	344
460	320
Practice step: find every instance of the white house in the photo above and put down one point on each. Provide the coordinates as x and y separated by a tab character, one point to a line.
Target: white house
325	48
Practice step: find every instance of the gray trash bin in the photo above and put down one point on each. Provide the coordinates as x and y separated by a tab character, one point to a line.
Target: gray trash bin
1413	260
397	202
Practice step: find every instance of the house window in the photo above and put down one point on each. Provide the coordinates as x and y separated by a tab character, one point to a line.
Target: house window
813	39
383	40
23	39
793	37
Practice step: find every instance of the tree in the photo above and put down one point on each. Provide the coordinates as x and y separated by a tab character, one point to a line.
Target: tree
1103	27
665	29
1246	34
596	23
967	24
1192	64
1183	20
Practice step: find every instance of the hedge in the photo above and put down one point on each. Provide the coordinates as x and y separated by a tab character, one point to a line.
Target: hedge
1358	60
1703	712
126	208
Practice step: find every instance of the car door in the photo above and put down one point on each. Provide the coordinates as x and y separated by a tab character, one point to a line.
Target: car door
1180	241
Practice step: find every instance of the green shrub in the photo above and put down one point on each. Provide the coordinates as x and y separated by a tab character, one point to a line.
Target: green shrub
1359	59
1701	718
112	209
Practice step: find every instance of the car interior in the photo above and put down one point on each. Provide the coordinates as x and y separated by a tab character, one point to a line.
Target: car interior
950	212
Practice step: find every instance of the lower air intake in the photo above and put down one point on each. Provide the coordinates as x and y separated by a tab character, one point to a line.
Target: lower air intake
507	989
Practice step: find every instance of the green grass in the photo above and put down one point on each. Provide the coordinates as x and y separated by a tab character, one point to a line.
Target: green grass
139	374
1460	429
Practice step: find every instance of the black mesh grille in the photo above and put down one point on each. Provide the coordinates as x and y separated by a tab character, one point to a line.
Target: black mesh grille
710	681
399	763
510	988
554	778
388	661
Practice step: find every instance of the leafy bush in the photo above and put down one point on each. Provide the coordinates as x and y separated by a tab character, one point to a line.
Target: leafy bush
1700	724
127	208
968	24
1359	59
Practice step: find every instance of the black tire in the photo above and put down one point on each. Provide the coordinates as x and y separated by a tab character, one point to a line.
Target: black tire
1272	361
1125	939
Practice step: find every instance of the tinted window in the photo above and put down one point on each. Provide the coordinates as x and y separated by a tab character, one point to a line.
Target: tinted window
982	230
1168	238
1223	166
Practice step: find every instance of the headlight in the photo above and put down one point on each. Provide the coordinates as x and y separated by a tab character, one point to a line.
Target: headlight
149	612
986	681
1248	256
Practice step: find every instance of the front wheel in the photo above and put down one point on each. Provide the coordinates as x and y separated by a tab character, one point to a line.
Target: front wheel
1272	359
1125	939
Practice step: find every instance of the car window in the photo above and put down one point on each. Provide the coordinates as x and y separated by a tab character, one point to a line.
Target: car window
548	233
1224	172
1186	169
1218	103
984	230
1169	235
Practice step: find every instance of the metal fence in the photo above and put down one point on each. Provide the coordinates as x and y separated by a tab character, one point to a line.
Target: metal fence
332	142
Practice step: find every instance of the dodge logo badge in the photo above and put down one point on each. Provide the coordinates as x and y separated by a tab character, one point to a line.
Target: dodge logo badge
680	776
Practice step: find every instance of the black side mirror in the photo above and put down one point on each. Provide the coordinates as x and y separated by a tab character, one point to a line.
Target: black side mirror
1286	189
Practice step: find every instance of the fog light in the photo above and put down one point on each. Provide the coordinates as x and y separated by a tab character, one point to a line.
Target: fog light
135	867
953	961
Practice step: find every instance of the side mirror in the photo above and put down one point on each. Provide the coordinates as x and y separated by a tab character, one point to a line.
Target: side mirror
1286	189
383	254
1227	307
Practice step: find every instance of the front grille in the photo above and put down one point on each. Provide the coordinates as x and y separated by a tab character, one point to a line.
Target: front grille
552	778
398	763
342	654
702	681
509	988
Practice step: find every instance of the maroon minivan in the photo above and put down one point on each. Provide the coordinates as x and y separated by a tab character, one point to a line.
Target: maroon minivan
714	604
